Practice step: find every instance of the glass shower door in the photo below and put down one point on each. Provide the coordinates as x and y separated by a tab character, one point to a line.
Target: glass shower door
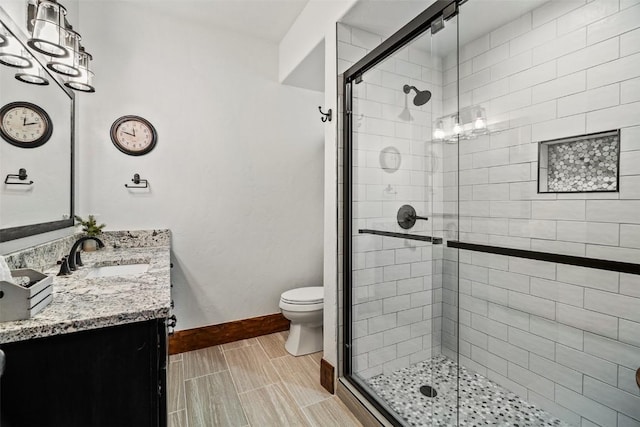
549	266
398	217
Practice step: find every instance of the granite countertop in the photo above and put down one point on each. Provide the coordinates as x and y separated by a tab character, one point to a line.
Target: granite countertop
82	304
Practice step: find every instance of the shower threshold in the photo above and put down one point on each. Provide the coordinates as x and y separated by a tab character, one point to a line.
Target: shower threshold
482	401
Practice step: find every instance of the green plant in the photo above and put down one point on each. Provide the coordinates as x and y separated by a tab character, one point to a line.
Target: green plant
90	226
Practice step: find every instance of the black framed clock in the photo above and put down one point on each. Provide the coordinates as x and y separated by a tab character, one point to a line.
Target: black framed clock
25	125
133	135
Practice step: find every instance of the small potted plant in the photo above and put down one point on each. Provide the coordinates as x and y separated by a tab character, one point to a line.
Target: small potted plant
91	228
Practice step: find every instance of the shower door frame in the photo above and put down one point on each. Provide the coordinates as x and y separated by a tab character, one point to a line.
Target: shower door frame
395	42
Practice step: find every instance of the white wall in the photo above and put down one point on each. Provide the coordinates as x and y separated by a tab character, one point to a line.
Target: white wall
315	26
237	172
331	241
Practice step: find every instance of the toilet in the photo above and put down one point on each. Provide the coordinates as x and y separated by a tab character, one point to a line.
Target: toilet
303	307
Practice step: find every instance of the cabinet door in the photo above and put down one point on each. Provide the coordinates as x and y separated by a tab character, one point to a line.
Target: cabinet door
102	378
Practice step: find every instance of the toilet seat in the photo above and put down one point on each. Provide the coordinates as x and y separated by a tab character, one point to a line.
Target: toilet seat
300	307
303	296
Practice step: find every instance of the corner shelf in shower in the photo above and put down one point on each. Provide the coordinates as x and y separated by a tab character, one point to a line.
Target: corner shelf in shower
434	240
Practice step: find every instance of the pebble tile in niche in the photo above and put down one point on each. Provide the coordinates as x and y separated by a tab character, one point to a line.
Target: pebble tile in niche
588	163
482	402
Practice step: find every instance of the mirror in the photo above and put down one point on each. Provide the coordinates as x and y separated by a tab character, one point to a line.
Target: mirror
36	195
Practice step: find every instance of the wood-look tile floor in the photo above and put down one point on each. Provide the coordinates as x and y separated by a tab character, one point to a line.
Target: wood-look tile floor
254	383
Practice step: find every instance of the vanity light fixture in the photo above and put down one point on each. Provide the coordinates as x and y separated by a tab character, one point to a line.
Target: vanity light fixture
52	35
33	75
84	81
67	65
47	28
468	123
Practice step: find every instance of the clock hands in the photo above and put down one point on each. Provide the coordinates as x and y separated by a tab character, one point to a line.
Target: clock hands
24	122
132	134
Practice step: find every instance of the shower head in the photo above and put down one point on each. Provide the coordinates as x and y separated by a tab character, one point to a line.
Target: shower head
422	96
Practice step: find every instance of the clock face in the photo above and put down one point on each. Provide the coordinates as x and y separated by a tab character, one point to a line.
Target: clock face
133	135
25	125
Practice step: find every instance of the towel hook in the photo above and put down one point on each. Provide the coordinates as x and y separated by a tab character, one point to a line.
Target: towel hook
22	176
327	116
136	180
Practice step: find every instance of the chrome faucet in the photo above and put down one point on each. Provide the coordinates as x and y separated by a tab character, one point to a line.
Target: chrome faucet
74	255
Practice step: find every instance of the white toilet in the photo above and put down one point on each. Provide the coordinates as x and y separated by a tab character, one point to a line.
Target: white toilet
303	307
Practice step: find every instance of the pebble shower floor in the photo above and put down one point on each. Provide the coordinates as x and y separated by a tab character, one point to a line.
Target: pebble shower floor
482	402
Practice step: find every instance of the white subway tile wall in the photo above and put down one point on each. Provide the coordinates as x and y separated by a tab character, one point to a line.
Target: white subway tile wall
572	68
573	334
563	337
572	337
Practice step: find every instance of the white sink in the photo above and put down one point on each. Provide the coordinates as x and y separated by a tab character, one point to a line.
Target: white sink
117	270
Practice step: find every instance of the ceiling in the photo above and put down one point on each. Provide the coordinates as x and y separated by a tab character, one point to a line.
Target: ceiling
384	17
476	18
265	19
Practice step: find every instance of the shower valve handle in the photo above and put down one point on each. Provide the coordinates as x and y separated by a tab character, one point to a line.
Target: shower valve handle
407	217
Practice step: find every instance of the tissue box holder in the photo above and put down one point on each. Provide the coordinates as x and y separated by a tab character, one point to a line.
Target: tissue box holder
19	302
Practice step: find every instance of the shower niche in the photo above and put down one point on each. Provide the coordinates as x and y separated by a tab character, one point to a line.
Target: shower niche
580	164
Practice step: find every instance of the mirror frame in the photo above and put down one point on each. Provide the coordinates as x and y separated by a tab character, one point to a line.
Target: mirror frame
12	233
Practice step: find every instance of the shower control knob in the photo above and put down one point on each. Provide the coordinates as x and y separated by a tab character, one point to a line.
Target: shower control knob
407	217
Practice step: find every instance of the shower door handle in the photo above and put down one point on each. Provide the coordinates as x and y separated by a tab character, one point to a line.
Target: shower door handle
638	377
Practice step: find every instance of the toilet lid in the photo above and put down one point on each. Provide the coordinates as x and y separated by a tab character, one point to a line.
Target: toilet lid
310	295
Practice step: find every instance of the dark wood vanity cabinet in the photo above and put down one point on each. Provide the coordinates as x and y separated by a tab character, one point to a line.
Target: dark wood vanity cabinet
108	377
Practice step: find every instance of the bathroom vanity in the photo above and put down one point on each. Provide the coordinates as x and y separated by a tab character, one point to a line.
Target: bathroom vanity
97	355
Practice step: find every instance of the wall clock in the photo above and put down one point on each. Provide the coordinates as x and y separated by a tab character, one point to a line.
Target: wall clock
133	135
25	125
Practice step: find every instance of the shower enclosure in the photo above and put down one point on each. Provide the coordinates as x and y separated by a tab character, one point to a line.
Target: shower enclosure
491	222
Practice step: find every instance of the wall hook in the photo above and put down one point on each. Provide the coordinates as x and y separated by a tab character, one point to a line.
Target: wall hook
136	180
327	116
22	176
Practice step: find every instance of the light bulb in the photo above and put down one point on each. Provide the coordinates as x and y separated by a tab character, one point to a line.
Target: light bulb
438	133
480	123
457	129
